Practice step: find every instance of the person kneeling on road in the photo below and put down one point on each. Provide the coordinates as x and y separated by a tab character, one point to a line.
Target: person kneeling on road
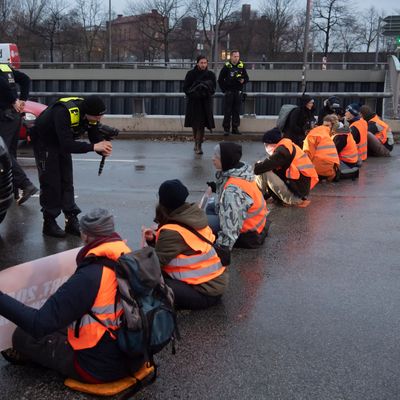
239	214
53	138
183	243
62	335
287	174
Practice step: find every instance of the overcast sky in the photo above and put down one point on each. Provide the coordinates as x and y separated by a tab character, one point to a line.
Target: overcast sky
389	7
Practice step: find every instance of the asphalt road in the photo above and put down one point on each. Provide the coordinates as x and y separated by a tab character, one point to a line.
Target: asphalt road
314	314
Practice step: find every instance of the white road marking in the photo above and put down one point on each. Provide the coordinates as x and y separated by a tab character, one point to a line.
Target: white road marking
88	160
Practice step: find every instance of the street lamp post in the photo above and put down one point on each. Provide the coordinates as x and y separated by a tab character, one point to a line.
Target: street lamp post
109	32
216	36
306	43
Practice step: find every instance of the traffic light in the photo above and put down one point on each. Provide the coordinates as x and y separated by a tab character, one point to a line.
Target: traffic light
398	40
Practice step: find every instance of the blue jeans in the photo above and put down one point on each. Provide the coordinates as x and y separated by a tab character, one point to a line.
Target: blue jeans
212	217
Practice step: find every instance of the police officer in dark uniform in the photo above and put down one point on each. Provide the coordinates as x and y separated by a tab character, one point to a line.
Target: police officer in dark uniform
11	108
231	79
54	138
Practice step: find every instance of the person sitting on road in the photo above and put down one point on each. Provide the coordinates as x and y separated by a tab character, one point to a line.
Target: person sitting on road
62	335
239	214
331	106
300	120
190	264
321	150
358	128
346	147
380	136
287	174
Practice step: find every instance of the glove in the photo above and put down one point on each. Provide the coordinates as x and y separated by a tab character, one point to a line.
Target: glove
213	186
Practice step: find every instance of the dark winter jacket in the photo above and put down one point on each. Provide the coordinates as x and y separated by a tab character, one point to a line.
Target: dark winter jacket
8	92
170	244
279	162
199	87
299	122
53	130
230	75
71	301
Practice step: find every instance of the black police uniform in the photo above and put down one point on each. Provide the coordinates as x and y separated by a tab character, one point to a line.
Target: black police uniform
229	82
54	137
10	121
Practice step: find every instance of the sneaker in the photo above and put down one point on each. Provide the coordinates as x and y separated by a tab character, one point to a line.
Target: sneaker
14	357
51	228
27	193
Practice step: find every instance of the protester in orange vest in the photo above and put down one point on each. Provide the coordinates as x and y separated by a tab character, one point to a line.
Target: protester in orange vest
61	335
287	174
239	214
346	147
321	150
358	128
380	136
190	264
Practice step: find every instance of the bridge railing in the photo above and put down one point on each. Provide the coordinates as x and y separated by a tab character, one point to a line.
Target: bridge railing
139	104
275	65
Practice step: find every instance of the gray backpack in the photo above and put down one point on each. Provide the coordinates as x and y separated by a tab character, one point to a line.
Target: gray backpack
284	113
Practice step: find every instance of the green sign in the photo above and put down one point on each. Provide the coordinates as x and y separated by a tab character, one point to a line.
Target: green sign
398	40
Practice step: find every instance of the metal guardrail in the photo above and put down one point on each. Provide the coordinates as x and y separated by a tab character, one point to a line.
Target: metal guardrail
263	65
139	98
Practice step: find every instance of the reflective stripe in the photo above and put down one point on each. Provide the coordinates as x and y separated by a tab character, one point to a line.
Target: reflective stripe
195	273
87	320
350	156
108	309
262	221
190	260
256	212
5	68
305	166
327	146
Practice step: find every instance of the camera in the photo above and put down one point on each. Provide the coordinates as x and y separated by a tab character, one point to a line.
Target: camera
108	132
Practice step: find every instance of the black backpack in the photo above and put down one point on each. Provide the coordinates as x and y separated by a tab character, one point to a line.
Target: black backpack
148	323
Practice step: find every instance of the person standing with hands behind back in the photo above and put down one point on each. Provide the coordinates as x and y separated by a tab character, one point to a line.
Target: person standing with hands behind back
232	78
199	86
54	141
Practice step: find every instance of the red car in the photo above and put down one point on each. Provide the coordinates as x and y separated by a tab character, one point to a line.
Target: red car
31	111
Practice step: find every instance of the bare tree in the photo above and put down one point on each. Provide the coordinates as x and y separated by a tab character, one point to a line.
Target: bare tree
295	33
369	26
348	38
91	17
167	16
328	15
206	13
278	18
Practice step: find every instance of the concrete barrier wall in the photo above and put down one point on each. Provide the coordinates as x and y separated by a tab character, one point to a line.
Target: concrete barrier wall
174	124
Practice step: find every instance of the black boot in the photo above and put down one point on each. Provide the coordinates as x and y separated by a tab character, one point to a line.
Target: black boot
72	225
51	228
198	149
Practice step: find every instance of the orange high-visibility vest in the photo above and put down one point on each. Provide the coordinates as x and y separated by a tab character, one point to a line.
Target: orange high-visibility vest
257	214
301	164
382	135
198	268
326	149
362	145
104	307
349	153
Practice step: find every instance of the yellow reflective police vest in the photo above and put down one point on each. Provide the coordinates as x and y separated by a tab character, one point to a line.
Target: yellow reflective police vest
6	70
73	110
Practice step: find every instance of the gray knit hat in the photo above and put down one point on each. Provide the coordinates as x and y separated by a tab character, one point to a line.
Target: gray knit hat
97	222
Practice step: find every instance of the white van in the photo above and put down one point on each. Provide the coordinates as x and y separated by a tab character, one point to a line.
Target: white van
9	54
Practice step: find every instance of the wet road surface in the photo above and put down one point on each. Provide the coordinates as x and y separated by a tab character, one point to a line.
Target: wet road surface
311	315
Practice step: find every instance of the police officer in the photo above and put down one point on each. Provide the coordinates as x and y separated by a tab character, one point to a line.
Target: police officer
54	137
231	79
11	108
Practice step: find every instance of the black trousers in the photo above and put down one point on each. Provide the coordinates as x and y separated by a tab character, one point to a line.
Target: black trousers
56	182
9	131
52	351
188	298
232	102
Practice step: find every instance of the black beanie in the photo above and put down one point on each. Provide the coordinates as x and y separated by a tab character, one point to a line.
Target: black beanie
93	105
231	153
172	194
305	99
272	136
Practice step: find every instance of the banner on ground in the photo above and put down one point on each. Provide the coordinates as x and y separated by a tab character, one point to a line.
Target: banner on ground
33	282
